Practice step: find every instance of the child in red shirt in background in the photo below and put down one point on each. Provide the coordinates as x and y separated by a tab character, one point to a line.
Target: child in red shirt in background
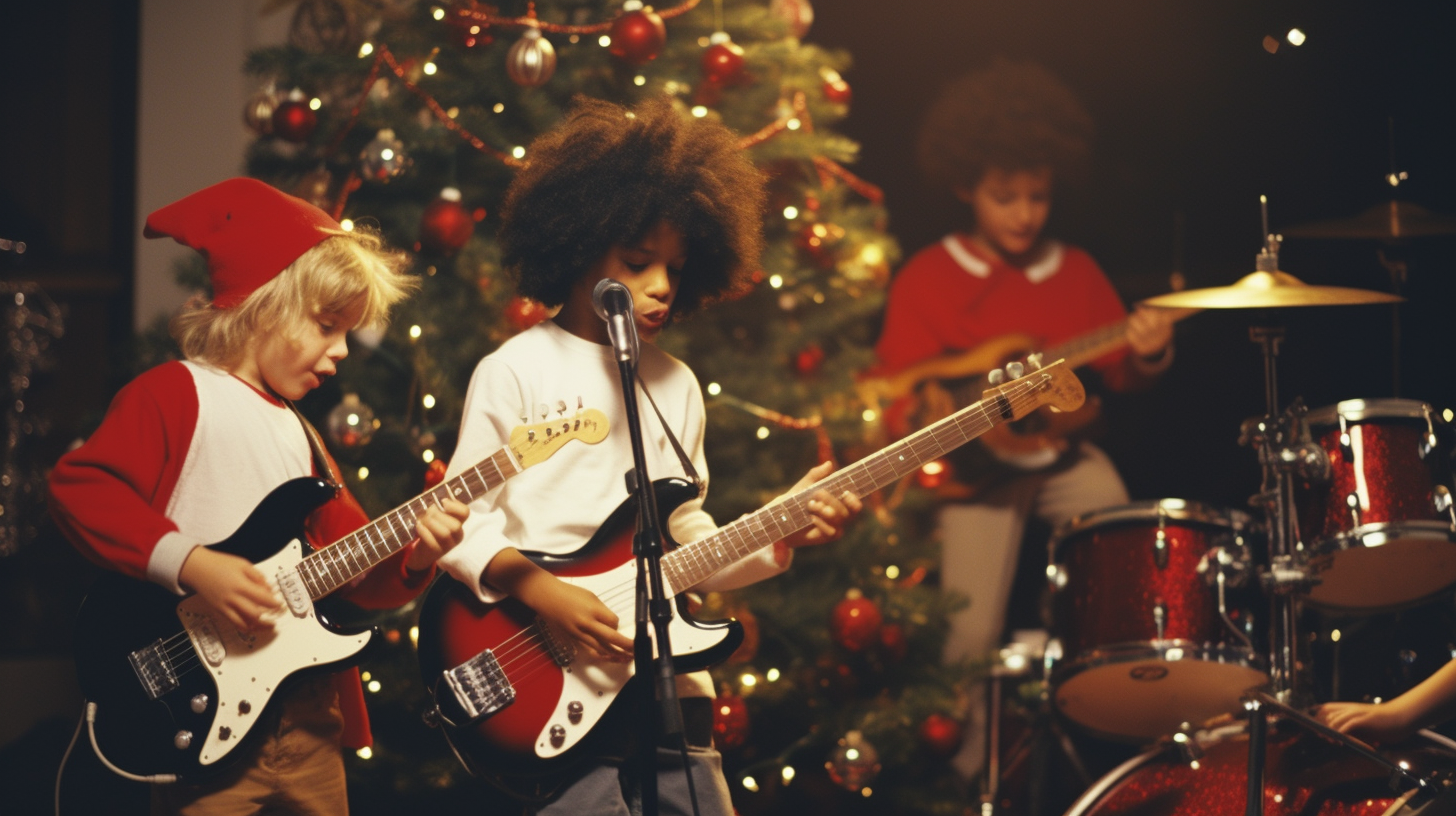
188	449
998	138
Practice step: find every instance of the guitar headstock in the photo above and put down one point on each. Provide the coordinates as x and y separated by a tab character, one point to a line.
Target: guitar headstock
534	444
1021	388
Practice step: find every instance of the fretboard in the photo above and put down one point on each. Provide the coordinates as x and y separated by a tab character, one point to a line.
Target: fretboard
335	565
688	565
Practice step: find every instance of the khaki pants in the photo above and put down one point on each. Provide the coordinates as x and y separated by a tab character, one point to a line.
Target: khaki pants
296	767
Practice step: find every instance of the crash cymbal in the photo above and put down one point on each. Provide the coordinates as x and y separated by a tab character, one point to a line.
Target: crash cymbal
1269	290
1391	220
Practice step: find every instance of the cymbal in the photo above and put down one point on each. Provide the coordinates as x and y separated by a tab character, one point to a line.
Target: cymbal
1268	290
1393	219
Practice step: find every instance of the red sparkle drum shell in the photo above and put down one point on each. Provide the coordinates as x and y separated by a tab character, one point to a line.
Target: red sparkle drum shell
1304	775
1136	613
1379	533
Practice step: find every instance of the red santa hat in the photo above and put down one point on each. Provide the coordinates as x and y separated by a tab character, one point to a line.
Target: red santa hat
247	230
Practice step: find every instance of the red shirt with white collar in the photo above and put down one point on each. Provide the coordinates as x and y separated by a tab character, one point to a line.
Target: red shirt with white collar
185	453
950	297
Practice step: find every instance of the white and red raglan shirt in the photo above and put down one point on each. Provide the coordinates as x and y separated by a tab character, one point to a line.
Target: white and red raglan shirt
185	453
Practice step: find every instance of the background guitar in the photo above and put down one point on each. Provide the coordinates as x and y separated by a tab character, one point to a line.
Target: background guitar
173	690
518	706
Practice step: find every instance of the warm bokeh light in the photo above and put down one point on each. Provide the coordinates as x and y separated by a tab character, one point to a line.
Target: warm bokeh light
1295	37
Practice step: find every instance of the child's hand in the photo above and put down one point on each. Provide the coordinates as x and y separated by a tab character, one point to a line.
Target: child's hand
578	614
1381	722
1149	331
830	513
439	529
232	586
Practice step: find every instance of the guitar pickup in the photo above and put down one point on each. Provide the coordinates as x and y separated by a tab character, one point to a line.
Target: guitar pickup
154	669
295	594
561	652
480	685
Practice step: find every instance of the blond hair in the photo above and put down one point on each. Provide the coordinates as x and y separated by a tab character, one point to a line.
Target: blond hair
327	279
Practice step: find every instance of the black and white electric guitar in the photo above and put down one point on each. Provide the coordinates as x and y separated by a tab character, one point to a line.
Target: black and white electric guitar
517	704
174	690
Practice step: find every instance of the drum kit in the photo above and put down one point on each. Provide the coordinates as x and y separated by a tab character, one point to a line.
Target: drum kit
1177	624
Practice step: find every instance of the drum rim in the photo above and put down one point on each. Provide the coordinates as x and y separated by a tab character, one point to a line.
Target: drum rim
1183	510
1130	651
1359	410
1354	538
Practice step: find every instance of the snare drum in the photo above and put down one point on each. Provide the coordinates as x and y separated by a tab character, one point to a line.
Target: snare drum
1304	776
1379	532
1146	618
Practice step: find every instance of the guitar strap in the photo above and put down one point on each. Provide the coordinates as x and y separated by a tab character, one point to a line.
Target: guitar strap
687	463
321	461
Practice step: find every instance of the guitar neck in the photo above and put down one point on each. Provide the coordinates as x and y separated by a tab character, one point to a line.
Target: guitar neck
333	566
688	565
1085	348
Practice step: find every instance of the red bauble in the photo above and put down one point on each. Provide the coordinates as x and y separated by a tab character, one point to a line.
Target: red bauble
435	473
294	120
835	88
808	360
855	623
818	239
638	37
941	735
723	63
523	313
446	226
730	722
893	643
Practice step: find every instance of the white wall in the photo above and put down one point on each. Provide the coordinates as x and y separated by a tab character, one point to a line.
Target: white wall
190	130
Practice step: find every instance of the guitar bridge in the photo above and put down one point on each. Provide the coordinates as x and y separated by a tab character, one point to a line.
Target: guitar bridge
480	685
154	669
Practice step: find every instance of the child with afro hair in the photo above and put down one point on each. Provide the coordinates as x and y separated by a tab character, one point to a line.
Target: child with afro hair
999	138
668	206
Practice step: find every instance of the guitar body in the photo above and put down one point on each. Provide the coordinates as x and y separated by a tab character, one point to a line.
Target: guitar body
532	743
210	683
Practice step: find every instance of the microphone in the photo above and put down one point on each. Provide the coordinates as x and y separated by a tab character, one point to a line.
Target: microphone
613	303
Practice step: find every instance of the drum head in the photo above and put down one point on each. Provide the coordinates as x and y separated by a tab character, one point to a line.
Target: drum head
1384	566
1141	700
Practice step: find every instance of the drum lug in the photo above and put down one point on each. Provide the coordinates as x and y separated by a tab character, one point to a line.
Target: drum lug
1160	546
1352	501
1160	617
1441	499
1429	441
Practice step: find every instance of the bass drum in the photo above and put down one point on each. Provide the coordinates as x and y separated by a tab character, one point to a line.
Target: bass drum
1304	775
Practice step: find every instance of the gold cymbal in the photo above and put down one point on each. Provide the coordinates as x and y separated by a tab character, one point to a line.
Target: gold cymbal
1269	290
1390	220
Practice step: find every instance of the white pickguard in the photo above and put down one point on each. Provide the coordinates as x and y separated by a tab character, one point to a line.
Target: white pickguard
595	683
249	666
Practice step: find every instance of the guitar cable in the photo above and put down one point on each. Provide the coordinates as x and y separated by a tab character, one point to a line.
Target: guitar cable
159	779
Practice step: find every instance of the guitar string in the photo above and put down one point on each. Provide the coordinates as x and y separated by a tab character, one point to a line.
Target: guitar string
509	652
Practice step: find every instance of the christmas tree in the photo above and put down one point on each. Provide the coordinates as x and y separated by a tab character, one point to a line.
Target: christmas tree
412	117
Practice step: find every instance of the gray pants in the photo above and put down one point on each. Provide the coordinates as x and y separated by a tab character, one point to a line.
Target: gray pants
980	546
607	790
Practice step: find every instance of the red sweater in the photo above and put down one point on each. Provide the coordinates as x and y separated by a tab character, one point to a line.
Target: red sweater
184	454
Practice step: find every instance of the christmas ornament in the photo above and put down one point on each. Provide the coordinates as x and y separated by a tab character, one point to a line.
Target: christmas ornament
258	111
325	26
383	158
836	90
854	762
940	734
531	60
797	13
435	473
893	643
351	424
855	622
523	313
445	225
293	119
818	239
730	722
637	36
722	62
808	360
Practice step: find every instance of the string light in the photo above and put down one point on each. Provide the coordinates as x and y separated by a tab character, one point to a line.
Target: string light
365	753
363	473
347	224
415	332
428	401
750	783
791	212
428	455
772	675
787	773
366	49
1296	37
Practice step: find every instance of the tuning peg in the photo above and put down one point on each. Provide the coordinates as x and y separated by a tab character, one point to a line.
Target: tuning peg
996	376
1015	370
1034	360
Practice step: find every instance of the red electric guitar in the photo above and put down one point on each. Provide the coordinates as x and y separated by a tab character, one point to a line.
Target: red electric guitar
517	704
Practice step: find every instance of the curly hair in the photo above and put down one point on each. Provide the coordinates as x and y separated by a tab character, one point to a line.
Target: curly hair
606	175
327	279
1014	116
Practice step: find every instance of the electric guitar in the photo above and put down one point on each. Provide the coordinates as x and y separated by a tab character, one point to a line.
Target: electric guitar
174	690
1037	440
519	706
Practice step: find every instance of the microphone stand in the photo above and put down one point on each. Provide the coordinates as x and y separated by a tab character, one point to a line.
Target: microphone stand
658	700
